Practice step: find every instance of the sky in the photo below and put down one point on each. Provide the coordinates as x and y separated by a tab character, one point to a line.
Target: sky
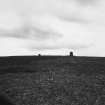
30	27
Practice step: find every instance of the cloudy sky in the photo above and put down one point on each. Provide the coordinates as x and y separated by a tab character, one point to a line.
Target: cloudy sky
52	27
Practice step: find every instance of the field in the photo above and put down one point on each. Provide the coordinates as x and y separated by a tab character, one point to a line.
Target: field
53	80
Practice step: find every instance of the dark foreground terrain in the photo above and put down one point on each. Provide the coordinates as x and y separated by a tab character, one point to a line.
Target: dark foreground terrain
53	80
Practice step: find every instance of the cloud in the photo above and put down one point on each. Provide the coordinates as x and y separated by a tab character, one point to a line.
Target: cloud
31	32
87	2
58	46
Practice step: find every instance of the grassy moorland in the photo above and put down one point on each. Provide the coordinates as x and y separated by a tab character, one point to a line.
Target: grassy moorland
53	80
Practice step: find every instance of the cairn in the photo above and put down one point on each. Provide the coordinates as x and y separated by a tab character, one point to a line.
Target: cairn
71	53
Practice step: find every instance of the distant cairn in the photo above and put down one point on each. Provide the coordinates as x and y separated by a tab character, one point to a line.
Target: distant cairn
39	55
71	53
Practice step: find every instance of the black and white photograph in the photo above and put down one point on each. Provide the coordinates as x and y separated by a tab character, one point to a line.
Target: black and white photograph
52	52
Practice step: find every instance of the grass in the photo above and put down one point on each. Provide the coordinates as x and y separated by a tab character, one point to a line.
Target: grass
59	80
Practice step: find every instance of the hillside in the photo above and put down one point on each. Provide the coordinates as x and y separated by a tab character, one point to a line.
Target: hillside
53	80
87	65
